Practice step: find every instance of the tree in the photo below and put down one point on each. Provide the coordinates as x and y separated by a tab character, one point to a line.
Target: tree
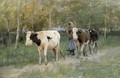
18	21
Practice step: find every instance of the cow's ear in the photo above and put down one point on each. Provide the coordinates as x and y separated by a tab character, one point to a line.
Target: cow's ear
32	34
79	31
35	34
90	30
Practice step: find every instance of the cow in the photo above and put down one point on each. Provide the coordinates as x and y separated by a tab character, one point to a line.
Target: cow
93	40
81	38
44	40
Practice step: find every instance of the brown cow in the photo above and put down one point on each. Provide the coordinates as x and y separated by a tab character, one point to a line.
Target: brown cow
81	38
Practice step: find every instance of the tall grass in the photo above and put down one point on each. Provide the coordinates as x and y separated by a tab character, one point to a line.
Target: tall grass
22	55
110	41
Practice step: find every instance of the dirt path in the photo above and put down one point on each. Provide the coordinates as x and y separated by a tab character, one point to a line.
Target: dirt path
12	72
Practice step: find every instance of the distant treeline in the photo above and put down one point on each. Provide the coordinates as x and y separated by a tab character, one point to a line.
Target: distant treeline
43	14
7	38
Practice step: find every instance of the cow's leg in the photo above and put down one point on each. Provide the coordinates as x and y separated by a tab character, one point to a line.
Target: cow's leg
95	47
40	55
92	47
56	54
45	54
89	46
54	50
82	49
77	51
86	48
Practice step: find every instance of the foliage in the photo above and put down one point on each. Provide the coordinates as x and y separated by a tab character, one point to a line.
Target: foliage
35	14
28	10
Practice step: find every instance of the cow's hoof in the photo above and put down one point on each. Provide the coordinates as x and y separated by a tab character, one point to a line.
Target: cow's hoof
86	55
72	54
46	63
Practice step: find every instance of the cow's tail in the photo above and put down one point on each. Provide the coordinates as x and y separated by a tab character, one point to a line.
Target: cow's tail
61	53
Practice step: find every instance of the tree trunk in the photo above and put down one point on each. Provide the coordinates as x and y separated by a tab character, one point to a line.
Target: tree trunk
90	14
17	33
105	21
32	17
18	24
105	29
49	18
8	32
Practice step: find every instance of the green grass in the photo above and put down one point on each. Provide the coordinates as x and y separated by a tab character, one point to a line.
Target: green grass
22	55
61	71
107	67
27	55
110	41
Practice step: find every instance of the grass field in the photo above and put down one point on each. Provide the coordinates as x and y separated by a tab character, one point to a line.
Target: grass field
23	62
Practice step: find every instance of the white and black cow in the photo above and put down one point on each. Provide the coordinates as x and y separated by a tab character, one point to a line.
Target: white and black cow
81	38
44	40
93	39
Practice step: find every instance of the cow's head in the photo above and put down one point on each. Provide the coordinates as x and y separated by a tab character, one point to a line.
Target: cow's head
28	40
32	37
93	34
75	33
